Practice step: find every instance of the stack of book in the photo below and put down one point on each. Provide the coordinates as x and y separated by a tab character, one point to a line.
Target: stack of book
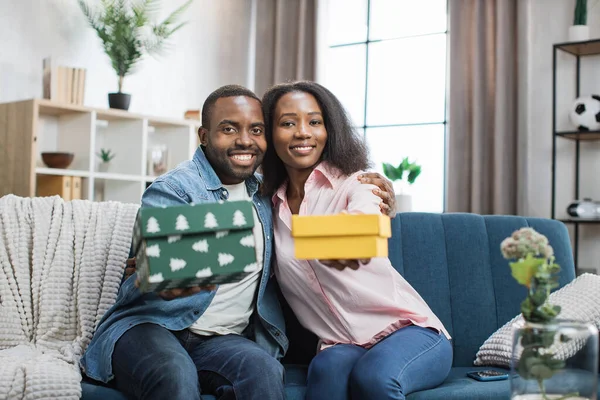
64	84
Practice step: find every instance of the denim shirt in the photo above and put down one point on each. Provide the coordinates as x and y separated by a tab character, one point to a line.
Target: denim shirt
192	181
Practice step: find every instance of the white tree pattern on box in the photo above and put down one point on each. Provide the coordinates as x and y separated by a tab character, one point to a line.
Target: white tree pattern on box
204	273
221	234
153	251
176	264
225	259
251	267
238	218
156	278
152	225
173	238
210	221
247	241
182	223
201	246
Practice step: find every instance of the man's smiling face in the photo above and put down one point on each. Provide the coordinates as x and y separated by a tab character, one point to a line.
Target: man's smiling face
235	140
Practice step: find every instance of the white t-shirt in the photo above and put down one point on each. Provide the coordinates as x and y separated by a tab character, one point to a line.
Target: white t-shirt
231	308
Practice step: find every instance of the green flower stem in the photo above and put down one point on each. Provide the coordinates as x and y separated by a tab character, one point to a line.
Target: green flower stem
542	388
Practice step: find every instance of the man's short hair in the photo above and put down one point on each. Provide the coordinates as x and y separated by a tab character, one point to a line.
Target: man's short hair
223	91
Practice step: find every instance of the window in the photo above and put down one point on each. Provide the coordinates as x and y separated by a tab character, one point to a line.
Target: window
386	62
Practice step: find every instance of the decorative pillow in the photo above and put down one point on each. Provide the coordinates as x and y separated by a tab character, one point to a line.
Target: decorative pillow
579	301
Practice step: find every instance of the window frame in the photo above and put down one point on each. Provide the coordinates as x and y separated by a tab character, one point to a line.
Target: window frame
323	47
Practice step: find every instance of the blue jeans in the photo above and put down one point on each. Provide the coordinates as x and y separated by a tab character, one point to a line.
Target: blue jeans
151	362
408	360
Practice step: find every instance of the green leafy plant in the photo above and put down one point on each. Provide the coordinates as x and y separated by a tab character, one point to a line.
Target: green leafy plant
106	155
127	31
534	268
412	169
580	17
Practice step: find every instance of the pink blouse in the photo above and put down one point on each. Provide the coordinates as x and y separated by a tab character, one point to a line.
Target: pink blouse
360	306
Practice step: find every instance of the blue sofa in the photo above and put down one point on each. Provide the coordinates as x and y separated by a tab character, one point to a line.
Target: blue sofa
454	262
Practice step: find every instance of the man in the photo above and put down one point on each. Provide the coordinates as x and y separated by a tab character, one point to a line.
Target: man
224	341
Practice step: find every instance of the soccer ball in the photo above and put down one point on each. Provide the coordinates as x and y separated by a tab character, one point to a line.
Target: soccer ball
585	113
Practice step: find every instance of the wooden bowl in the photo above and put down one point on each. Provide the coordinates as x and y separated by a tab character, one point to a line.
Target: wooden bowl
57	160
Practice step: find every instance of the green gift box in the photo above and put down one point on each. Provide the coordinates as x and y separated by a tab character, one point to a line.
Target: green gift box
194	245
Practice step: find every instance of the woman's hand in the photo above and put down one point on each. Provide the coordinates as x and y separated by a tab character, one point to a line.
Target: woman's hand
385	191
342	264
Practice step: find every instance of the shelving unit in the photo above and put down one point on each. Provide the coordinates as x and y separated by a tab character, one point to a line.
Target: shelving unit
28	128
577	50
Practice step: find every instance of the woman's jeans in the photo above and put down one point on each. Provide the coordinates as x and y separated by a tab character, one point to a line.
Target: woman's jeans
408	360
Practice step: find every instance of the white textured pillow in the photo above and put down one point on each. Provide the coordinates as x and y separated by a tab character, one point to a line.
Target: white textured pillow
579	301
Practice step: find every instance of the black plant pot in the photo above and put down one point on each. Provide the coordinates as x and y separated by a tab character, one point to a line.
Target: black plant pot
119	100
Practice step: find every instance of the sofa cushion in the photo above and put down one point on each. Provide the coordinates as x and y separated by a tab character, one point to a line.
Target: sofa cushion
95	391
458	386
295	387
579	301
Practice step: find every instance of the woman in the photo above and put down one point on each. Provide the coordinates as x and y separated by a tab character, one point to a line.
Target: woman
378	338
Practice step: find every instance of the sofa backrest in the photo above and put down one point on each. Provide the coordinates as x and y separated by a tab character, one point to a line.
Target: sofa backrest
454	262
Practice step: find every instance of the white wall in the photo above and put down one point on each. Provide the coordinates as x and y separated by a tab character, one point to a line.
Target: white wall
544	23
209	52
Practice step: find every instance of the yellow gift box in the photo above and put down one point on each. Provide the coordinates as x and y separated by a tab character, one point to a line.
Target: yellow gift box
341	236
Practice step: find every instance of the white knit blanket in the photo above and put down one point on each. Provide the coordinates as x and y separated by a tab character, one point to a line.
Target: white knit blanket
61	265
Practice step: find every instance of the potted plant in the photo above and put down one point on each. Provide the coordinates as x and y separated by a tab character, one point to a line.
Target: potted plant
552	359
410	170
105	155
579	31
128	33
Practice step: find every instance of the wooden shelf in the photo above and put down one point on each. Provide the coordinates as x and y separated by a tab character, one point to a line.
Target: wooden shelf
36	126
574	220
118	177
97	175
63	172
569	52
580	135
587	48
47	107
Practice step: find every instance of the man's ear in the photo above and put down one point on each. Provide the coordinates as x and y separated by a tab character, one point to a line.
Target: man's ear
203	135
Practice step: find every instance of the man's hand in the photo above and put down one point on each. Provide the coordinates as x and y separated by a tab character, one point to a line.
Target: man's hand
342	264
166	294
179	293
129	267
385	191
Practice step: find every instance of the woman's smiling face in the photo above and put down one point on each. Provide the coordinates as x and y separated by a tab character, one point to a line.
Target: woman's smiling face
299	134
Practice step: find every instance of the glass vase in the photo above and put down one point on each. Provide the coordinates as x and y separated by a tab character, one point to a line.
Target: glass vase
554	361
